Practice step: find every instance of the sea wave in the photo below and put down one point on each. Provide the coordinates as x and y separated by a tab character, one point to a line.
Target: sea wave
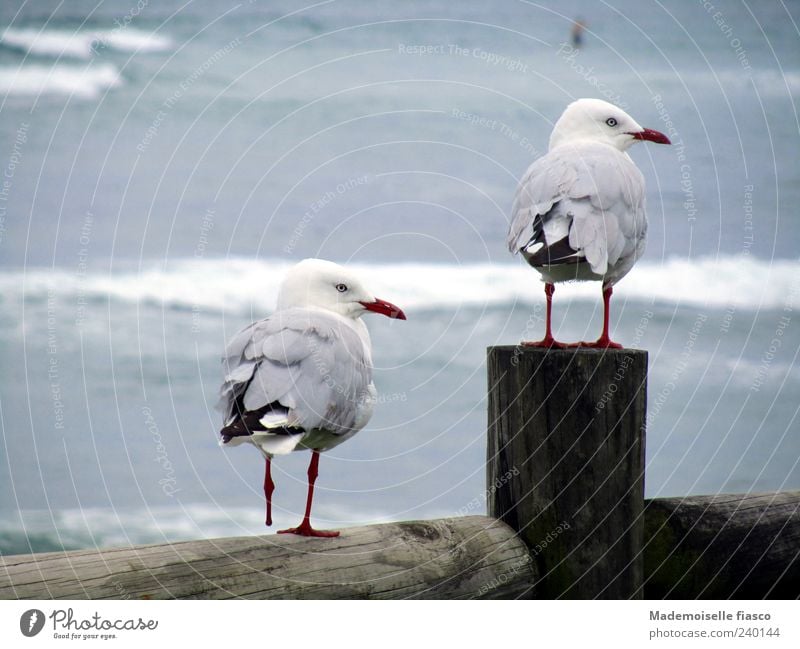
106	527
89	527
81	81
250	286
82	44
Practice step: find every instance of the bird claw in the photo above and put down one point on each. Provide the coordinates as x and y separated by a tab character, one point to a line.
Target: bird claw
600	343
609	344
545	343
305	529
550	343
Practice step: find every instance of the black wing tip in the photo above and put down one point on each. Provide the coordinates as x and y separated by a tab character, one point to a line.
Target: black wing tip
556	254
237	429
249	422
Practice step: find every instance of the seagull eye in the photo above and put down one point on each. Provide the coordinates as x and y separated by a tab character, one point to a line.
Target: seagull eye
341	288
611	122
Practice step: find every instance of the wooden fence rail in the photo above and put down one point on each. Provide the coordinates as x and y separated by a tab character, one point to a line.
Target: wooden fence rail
719	547
456	558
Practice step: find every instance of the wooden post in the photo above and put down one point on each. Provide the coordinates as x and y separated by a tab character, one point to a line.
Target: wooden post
565	464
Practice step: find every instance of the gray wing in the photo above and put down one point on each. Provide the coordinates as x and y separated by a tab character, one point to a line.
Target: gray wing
299	369
579	203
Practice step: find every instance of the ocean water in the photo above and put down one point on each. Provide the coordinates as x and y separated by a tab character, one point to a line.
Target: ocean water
163	166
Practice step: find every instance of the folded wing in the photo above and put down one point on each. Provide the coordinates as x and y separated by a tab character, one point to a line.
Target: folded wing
295	372
579	203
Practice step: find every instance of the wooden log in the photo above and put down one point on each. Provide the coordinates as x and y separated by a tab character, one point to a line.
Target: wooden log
565	464
739	546
456	558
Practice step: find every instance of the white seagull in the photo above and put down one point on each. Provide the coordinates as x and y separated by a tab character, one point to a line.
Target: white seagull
302	378
579	211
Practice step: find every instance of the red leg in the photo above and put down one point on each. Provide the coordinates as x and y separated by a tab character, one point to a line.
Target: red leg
548	340
604	341
269	487
305	529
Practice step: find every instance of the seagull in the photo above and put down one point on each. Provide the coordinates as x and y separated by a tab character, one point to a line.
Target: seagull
579	210
302	378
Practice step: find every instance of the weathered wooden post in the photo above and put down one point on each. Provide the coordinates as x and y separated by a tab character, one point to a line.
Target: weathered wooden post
565	464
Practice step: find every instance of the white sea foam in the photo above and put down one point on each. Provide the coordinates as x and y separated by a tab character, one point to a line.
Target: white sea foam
82	44
81	81
122	526
251	286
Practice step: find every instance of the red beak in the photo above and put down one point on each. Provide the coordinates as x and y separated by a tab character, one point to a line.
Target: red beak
384	308
650	135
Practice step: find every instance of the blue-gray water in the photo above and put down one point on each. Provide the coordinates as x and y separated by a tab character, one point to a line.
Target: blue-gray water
161	170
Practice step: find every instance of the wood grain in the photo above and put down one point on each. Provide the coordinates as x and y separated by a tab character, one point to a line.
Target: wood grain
455	558
565	464
742	546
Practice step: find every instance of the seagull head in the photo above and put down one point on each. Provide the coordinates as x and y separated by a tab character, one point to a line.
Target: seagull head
599	121
321	284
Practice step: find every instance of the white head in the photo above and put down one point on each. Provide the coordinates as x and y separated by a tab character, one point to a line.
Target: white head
325	285
597	120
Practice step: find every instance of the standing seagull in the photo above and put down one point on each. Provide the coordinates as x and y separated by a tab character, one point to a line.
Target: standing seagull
302	378
579	211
